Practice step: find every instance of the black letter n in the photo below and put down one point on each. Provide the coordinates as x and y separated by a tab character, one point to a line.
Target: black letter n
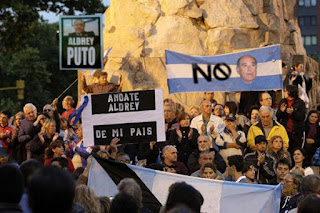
196	68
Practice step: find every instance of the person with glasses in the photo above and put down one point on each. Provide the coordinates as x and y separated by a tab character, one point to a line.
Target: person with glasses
265	99
290	192
51	110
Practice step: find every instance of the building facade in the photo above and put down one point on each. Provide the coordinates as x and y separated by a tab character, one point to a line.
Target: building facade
308	12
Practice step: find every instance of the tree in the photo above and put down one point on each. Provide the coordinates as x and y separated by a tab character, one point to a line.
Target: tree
18	18
29	49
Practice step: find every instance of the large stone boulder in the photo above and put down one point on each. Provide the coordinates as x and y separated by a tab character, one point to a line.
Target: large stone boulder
141	30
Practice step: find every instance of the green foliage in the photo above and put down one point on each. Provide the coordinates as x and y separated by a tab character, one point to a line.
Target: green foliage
29	50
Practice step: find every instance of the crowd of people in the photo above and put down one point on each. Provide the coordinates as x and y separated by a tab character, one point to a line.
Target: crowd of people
269	141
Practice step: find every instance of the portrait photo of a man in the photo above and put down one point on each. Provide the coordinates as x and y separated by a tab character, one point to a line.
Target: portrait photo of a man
79	29
247	68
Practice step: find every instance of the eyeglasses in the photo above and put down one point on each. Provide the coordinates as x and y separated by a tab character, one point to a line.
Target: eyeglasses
287	181
267	99
47	110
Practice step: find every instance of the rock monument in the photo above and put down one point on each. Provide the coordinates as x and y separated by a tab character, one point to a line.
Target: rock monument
139	31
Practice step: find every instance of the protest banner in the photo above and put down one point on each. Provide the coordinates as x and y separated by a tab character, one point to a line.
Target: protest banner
133	117
219	196
252	70
80	42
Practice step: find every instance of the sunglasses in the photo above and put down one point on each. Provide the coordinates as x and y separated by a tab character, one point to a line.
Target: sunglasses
47	110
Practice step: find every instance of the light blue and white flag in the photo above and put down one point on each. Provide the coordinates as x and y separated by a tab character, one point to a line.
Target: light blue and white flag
219	196
180	71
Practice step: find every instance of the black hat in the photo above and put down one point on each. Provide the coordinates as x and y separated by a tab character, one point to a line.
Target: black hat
230	117
3	152
259	139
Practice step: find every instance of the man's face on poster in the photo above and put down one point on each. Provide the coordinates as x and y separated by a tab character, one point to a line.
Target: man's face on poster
247	68
79	26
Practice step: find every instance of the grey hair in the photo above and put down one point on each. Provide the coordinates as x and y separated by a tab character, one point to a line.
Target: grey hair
266	108
131	187
167	147
206	136
29	106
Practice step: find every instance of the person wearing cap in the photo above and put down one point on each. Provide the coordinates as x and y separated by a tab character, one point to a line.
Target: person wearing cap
230	141
4	156
264	163
267	127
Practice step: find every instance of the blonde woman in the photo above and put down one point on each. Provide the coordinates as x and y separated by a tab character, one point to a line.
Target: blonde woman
87	198
275	149
43	139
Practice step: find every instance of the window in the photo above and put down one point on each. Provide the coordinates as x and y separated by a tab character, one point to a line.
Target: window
313	40
307	3
307	21
310	40
307	40
313	20
301	21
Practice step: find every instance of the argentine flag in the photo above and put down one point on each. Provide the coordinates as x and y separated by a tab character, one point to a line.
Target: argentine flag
181	71
219	196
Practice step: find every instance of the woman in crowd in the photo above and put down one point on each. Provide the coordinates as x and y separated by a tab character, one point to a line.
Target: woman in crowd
276	150
184	138
18	151
252	118
66	132
250	171
290	191
299	158
194	112
56	149
43	139
312	134
87	198
209	170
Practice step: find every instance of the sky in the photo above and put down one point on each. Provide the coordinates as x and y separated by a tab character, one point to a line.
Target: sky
52	17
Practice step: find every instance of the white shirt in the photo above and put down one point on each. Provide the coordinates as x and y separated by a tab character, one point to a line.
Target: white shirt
240	178
215	121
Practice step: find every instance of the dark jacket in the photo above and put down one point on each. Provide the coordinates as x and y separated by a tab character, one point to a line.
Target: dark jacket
311	148
298	115
193	163
146	153
298	81
186	146
265	171
37	148
10	208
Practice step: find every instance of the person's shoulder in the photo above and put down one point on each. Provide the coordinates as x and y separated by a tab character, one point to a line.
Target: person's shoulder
215	118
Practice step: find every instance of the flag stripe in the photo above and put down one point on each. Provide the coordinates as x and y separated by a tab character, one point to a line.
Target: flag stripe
262	55
219	196
185	70
119	171
232	84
